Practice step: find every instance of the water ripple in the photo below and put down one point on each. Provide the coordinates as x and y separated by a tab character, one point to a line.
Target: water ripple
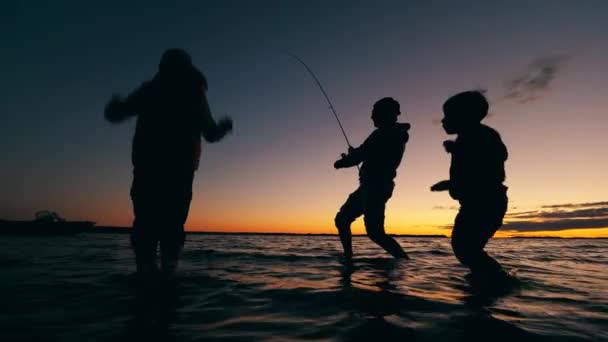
293	288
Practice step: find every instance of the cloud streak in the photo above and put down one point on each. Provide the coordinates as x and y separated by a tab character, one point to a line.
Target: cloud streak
555	225
575	205
554	217
559	217
441	207
535	80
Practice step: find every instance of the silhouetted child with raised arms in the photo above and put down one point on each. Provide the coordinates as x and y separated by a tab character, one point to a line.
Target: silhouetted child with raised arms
477	173
172	113
379	156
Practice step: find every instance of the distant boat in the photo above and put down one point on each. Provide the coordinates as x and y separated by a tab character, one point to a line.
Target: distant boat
47	223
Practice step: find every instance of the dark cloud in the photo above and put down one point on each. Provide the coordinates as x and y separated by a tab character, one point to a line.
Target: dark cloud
554	225
523	214
554	217
441	207
576	205
535	80
559	217
561	214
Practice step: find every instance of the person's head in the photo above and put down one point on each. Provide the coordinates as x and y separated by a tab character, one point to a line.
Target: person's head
464	110
385	112
176	66
175	60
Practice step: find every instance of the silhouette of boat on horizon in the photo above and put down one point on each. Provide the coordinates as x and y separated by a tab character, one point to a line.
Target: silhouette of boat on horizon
47	223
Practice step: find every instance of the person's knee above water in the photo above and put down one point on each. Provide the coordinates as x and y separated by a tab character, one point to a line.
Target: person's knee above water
379	156
477	174
172	113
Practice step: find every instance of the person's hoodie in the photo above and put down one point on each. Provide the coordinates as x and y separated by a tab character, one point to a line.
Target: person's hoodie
477	169
380	154
172	113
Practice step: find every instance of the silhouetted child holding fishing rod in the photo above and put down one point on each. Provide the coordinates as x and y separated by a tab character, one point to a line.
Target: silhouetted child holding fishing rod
380	155
477	173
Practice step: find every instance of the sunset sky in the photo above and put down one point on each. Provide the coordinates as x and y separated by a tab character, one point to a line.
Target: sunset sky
543	64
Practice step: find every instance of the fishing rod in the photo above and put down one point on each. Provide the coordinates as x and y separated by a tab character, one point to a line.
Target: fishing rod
331	106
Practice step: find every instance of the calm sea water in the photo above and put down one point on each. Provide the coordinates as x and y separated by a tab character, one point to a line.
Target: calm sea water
292	288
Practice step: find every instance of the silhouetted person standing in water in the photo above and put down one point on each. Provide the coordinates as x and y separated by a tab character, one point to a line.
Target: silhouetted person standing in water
381	154
477	173
172	113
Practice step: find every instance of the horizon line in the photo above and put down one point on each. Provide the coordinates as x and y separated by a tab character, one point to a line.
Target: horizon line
124	229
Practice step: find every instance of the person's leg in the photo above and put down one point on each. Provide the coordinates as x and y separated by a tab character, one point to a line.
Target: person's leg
172	243
473	227
496	210
143	235
145	252
348	213
469	249
459	239
170	251
144	243
178	199
374	204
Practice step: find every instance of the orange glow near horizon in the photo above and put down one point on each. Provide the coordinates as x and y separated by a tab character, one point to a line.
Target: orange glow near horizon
359	229
568	233
415	221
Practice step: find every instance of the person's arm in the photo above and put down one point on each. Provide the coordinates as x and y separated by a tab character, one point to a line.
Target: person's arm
119	109
212	131
357	155
449	146
443	185
354	157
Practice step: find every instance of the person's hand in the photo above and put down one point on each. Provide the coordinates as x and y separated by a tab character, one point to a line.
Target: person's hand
340	162
449	146
113	108
225	124
444	185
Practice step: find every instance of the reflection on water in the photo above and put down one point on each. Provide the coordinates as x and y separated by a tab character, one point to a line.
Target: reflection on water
289	288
